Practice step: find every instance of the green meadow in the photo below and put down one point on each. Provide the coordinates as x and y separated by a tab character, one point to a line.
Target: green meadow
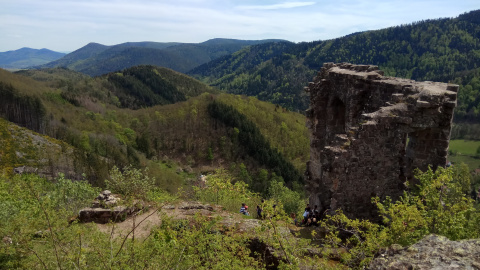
464	151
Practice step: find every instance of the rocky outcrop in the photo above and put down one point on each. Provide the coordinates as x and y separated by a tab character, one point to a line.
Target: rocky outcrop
432	252
105	208
369	132
26	152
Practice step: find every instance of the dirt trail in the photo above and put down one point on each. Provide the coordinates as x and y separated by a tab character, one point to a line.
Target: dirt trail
121	229
182	210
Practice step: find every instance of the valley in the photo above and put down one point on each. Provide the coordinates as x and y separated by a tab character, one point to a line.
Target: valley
191	131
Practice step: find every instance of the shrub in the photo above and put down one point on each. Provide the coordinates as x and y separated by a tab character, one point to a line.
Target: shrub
221	190
292	201
131	182
438	205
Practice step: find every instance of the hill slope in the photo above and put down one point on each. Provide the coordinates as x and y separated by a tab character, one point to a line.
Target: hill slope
26	57
95	116
440	50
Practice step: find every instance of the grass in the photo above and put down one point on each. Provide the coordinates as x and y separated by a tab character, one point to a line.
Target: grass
464	147
464	151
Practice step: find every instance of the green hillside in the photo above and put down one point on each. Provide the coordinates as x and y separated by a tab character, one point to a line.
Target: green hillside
446	50
146	113
96	59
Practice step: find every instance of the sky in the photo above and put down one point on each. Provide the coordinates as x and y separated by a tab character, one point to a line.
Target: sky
67	25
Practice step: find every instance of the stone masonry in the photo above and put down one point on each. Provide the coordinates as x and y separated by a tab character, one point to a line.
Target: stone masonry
369	132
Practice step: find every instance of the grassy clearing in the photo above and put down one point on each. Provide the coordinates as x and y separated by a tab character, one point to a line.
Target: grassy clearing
464	151
464	147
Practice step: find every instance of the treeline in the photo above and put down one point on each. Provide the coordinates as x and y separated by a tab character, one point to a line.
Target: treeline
265	71
254	143
436	50
96	59
26	111
468	108
142	87
86	113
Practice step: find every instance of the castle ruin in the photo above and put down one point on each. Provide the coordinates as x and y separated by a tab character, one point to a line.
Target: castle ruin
369	132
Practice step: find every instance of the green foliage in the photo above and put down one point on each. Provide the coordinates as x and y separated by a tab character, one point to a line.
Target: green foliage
72	195
35	215
166	176
292	201
245	175
440	205
196	246
354	241
464	147
24	110
286	131
33	208
210	154
264	71
143	86
91	122
444	50
254	142
221	190
130	182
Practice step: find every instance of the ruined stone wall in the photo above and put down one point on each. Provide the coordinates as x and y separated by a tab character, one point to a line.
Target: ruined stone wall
360	122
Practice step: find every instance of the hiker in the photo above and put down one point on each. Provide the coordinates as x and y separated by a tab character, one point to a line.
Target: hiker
259	212
294	218
246	211
306	214
243	209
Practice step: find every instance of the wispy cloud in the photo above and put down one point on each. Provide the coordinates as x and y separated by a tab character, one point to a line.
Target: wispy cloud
66	25
277	6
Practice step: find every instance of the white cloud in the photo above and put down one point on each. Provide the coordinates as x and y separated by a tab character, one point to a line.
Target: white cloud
285	5
66	25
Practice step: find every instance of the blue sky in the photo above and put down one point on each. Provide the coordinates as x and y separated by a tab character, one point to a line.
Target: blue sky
66	25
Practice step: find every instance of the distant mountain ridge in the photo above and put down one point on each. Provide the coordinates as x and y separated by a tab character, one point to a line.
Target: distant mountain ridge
446	50
96	59
26	57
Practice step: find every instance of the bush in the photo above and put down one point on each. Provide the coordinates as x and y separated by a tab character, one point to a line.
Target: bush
221	190
438	205
292	201
131	182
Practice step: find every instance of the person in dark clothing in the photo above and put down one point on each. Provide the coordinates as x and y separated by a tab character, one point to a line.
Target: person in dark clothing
306	215
259	212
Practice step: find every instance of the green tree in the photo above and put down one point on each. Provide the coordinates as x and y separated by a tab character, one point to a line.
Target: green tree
441	206
210	154
244	175
221	190
438	205
292	201
130	182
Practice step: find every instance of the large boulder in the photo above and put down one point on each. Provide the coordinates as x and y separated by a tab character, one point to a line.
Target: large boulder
432	252
105	208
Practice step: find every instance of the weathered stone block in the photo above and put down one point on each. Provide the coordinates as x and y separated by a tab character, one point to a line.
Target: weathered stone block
361	122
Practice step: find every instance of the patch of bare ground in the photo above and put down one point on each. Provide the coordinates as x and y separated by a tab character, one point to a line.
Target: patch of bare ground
145	221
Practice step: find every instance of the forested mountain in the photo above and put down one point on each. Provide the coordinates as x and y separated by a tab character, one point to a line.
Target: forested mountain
26	57
147	113
97	59
446	50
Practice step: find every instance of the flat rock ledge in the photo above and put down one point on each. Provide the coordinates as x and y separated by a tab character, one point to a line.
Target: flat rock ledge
105	208
432	252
